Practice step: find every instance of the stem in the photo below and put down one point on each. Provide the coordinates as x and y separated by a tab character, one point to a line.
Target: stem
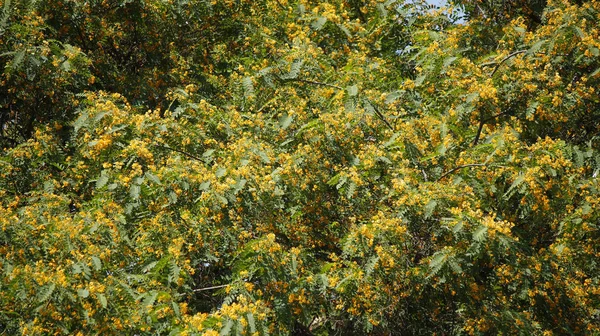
464	166
381	116
308	81
498	64
479	132
209	288
179	151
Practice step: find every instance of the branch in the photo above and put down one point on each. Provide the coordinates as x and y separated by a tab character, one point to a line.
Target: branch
511	55
209	288
179	151
481	123
495	116
498	64
308	81
465	166
381	116
281	5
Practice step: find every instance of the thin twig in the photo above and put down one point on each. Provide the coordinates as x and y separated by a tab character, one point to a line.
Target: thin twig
381	116
511	55
281	5
308	81
496	116
192	156
483	65
466	166
481	123
498	64
461	167
209	288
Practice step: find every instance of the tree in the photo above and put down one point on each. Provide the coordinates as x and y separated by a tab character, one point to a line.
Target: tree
299	167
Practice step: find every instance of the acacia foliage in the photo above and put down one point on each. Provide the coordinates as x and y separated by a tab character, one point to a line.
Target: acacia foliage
299	167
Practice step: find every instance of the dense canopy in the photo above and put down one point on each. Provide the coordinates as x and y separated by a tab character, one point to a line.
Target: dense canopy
299	167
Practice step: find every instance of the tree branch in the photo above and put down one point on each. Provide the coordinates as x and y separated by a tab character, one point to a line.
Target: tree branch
377	112
499	63
381	116
191	156
208	288
496	116
465	166
476	140
308	81
511	55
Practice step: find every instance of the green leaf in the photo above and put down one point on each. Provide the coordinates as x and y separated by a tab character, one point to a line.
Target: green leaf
248	86
97	263
208	153
174	271
46	292
134	191
350	190
559	249
448	61
294	69
264	157
515	184
412	151
458	227
392	96
102	300
18	59
80	122
66	65
519	30
49	187
221	171
370	265
479	234
419	80
172	197
227	328
429	208
148	267
531	109
150	299
536	47
352	90
334	180
586	209
221	199
437	262
251	322
102	180
455	267
83	293
285	121
319	23
176	310
239	185
383	159
152	177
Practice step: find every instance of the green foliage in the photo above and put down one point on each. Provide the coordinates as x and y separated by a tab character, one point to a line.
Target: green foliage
299	167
